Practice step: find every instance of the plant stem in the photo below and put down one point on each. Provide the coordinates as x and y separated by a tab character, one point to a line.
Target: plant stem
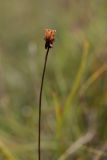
40	100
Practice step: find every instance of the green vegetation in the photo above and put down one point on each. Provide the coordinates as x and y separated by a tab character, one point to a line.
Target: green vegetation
74	106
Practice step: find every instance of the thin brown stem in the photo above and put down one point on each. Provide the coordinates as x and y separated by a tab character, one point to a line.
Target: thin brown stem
40	101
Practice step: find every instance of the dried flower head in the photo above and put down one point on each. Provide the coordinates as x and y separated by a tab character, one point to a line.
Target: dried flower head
49	38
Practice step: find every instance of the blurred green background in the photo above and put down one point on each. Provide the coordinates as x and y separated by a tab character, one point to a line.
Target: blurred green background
74	105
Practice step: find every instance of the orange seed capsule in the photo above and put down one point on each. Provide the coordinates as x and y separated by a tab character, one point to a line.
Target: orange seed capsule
49	38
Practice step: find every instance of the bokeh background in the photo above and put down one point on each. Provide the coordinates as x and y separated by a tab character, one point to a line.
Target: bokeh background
74	106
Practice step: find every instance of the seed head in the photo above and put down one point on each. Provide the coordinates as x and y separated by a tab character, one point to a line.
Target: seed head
49	38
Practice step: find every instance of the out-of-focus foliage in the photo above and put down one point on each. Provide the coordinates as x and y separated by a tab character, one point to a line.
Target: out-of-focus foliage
75	90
